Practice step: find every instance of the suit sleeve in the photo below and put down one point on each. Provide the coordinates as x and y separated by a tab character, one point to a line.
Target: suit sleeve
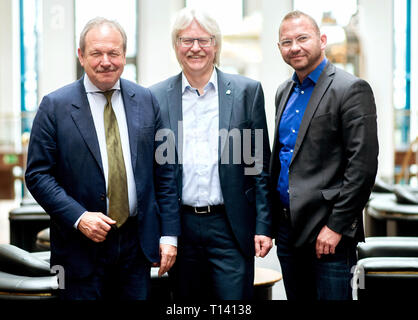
262	159
359	135
165	185
40	176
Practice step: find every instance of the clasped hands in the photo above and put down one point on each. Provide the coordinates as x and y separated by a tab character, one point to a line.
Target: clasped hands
96	225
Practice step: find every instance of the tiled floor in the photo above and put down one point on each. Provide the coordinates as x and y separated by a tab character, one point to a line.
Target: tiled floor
270	261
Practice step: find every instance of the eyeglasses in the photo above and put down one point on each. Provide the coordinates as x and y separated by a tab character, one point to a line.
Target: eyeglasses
287	43
189	42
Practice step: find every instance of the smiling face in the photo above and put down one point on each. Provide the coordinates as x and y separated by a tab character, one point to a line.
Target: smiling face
195	60
103	58
301	46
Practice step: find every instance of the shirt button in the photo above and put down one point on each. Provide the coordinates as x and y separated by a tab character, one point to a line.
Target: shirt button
302	92
297	111
293	130
291	150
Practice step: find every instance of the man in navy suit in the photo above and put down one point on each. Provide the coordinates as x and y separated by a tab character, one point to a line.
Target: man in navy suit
219	125
69	173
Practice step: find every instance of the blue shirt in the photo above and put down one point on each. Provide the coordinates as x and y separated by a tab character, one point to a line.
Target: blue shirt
290	123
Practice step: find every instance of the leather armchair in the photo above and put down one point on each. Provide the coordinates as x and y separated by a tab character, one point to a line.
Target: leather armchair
24	275
387	268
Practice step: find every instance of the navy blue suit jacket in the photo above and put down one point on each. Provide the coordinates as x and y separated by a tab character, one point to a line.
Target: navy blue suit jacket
65	174
241	106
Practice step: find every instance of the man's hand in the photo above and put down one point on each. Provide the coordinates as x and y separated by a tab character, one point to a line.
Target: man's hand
168	255
95	225
326	241
263	245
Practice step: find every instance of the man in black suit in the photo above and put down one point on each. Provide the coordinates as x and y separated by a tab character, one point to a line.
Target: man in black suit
323	165
91	166
219	123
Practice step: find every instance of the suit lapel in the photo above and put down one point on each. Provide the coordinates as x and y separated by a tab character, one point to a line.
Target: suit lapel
83	119
226	98
284	96
320	88
175	111
133	118
282	105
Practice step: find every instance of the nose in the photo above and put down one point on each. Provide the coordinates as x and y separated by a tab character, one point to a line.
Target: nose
295	46
105	59
195	46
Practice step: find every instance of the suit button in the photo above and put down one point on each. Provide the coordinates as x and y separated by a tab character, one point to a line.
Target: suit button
102	197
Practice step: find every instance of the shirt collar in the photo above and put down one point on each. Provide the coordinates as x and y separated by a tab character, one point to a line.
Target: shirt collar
91	88
314	75
213	82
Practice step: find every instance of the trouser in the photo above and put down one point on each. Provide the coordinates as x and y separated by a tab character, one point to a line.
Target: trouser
306	277
122	271
209	263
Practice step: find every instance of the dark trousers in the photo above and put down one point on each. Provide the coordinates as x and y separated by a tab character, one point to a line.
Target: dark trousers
209	263
122	271
306	277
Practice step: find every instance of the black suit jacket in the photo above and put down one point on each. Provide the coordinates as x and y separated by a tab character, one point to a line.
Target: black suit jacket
65	174
334	162
241	106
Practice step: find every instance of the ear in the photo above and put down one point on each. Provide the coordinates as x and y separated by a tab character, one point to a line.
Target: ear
80	57
323	39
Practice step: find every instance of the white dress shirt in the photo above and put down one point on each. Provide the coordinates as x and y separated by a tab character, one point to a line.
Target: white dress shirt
97	102
201	184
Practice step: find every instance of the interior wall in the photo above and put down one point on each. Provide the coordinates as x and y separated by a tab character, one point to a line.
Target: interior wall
273	69
10	68
57	46
156	58
376	37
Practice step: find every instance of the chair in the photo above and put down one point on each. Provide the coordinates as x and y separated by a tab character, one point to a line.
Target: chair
25	276
160	288
387	268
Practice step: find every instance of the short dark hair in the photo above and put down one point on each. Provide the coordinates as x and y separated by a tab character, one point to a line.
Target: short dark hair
297	14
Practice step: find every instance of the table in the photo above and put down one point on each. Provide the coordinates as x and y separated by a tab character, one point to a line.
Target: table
264	279
386	217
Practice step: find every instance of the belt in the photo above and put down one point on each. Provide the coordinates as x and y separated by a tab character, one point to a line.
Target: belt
127	223
285	214
204	210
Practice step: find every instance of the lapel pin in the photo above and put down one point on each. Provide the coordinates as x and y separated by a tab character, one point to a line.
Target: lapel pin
228	91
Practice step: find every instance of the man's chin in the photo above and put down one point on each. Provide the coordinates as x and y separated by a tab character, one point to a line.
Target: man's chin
105	84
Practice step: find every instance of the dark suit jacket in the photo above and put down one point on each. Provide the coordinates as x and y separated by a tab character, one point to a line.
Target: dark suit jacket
65	174
241	106
334	163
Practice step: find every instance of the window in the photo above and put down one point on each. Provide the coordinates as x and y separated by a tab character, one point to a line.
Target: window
401	73
29	30
338	22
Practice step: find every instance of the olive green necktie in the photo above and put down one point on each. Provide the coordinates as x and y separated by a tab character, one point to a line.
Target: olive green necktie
117	189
